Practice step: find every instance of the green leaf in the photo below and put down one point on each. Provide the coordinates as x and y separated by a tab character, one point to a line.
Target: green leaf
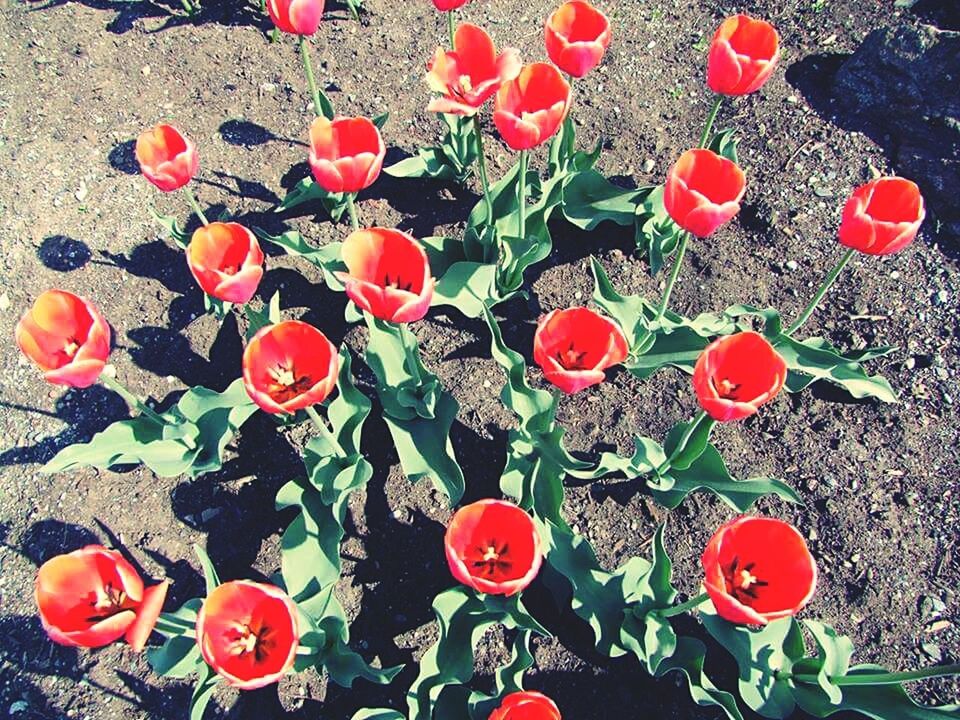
647	457
381	119
833	658
269	314
509	679
563	159
327	258
688	658
178	657
210	576
168	224
816	359
308	190
467	286
202	692
589	199
452	160
761	655
686	442
378	714
655	233
710	473
724	143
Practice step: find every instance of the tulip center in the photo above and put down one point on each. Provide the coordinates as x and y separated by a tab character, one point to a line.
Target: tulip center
727	389
489	559
230	269
107	601
286	384
570	359
397	283
741	582
71	347
245	639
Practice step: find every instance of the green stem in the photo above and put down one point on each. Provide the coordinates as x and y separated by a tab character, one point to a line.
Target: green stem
824	287
522	194
686	606
324	430
882	678
684	439
482	163
705	138
172	626
132	400
409	342
352	210
311	80
674	272
275	35
451	28
188	6
195	205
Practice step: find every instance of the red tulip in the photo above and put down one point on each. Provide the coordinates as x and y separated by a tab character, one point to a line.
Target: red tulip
703	191
469	75
167	158
346	154
493	547
574	347
388	274
289	366
226	260
248	633
529	109
577	35
66	337
742	56
526	705
737	374
448	5
883	216
757	570
298	17
92	596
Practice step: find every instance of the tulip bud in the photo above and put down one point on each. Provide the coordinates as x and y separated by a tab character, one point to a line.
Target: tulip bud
226	261
742	55
883	216
346	154
529	109
703	191
167	158
577	35
297	17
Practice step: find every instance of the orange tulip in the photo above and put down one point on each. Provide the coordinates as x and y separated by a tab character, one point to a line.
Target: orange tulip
248	633
577	35
167	158
92	596
66	337
703	191
737	374
574	347
526	705
493	547
471	73
883	216
757	570
226	261
346	154
529	109
742	56
298	17
388	274
289	366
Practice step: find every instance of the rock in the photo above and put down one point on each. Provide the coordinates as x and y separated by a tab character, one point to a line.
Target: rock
903	83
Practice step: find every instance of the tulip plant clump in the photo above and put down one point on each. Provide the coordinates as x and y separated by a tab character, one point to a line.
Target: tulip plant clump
758	573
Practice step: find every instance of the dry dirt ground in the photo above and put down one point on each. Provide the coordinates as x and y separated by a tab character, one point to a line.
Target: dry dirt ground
81	79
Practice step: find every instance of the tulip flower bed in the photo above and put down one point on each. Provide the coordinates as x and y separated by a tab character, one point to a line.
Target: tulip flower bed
621	465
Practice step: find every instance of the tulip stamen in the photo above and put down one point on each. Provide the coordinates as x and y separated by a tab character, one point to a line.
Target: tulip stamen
107	601
243	640
742	581
397	283
727	389
491	559
71	347
286	384
570	359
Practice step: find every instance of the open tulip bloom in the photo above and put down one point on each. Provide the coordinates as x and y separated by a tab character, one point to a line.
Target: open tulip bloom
575	346
576	36
248	633
743	54
226	261
526	705
93	596
493	547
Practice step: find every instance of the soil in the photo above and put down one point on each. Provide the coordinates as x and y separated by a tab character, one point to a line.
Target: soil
879	482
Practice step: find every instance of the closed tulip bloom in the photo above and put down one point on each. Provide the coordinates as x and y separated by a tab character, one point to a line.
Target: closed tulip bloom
742	56
493	547
66	337
471	73
167	158
448	5
92	596
298	17
388	274
577	35
346	154
574	346
529	109
882	216
757	570
526	705
248	633
703	191
226	261
289	366
737	374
